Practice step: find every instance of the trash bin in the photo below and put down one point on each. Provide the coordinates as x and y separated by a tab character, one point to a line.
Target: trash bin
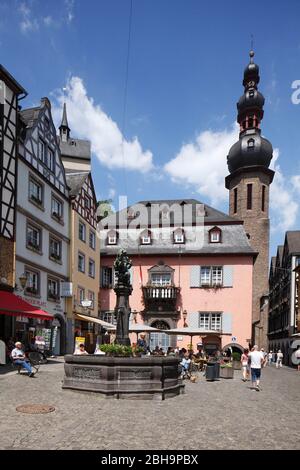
210	372
217	370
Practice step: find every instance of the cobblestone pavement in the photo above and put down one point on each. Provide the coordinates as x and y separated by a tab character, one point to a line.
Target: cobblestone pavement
224	414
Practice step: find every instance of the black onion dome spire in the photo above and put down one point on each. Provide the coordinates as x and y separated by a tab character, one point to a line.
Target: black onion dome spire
251	149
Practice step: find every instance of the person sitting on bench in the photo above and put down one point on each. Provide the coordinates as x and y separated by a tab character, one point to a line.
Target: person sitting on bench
19	359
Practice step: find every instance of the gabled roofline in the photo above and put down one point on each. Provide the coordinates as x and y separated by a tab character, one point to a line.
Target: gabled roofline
4	74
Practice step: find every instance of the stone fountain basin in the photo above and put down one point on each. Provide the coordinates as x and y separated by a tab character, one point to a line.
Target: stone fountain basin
149	377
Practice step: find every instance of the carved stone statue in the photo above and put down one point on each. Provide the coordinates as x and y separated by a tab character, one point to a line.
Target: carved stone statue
123	290
122	266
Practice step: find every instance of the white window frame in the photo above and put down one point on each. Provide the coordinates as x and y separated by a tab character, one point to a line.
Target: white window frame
112	239
106	277
42	151
146	240
81	224
92	236
81	255
92	272
161	279
56	207
205	276
217	275
179	237
91	296
210	321
33	280
216	321
215	236
54	283
50	159
38	195
80	294
38	238
54	242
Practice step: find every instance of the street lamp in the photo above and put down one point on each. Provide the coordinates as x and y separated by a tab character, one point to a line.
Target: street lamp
23	280
184	316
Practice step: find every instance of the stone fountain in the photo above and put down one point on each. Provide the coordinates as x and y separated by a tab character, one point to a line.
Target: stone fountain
149	377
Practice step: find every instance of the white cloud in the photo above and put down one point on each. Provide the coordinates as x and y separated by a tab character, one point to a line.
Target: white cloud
283	200
27	23
111	193
48	20
202	164
69	5
88	120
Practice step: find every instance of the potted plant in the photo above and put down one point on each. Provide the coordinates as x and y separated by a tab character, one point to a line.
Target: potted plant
236	360
226	371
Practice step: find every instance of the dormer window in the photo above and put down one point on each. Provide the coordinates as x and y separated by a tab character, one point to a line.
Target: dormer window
215	235
131	214
179	236
112	237
250	143
146	238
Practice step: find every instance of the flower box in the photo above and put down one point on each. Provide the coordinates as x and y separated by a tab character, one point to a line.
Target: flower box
226	372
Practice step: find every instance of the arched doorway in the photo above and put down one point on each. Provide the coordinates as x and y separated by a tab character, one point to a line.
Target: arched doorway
160	339
234	347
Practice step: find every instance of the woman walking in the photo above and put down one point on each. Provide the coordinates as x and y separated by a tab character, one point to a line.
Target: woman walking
279	359
244	362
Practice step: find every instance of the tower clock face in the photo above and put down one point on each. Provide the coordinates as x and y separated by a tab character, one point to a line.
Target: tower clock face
251	83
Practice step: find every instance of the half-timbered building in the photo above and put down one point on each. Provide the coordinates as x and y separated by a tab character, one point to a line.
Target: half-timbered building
43	221
10	94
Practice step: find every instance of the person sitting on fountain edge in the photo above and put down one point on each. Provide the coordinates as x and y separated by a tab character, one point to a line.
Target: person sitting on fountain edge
141	343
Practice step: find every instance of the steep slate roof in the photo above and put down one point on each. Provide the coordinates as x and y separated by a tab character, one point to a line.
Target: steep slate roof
293	241
234	239
75	148
212	216
75	182
279	254
30	115
8	78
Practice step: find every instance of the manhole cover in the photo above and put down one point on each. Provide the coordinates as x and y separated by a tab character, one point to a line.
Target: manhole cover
35	409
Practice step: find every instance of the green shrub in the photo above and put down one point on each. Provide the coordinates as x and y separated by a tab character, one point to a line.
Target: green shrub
120	350
227	364
236	356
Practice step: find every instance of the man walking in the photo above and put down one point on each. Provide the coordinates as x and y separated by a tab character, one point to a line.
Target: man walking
256	361
19	358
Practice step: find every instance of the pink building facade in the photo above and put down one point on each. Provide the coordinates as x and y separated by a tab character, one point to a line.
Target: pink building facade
197	275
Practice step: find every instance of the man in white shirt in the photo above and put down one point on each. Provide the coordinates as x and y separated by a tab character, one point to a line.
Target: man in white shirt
257	359
297	356
19	358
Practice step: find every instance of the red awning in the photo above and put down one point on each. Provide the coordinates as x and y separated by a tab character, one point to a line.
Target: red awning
10	304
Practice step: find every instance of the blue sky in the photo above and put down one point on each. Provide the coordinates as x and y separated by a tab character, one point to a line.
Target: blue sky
185	76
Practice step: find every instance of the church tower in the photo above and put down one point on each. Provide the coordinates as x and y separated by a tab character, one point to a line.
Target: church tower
64	130
248	183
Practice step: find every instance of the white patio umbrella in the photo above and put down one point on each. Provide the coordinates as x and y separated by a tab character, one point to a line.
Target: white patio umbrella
189	331
140	328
